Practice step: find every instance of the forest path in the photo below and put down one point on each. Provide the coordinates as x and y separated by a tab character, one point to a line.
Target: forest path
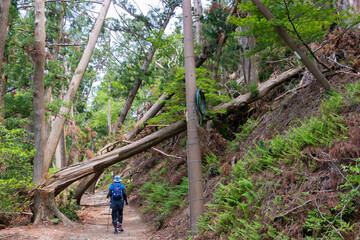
96	224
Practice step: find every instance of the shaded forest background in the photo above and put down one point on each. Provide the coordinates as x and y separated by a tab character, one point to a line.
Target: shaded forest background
279	160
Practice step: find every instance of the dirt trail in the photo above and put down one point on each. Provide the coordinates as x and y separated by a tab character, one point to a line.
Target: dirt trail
96	224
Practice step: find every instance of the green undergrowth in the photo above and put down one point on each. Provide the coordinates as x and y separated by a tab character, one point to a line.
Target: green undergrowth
16	154
68	206
162	199
237	210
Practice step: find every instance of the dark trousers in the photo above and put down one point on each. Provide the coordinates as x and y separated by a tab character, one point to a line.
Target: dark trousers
117	216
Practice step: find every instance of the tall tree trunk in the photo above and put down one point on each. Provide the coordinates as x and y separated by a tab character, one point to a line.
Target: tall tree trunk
38	81
4	17
291	43
196	192
74	85
130	98
60	151
198	13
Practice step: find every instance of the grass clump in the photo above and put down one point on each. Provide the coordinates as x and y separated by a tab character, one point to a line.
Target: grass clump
161	199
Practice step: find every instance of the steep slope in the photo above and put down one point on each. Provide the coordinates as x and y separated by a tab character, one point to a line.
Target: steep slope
272	169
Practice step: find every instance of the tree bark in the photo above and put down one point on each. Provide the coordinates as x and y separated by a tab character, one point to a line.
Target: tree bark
130	98
197	13
74	85
39	171
291	43
4	18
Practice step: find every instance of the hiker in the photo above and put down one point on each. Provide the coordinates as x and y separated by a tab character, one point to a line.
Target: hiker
117	196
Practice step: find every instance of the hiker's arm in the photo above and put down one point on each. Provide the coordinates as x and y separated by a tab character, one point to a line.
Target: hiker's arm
108	196
125	197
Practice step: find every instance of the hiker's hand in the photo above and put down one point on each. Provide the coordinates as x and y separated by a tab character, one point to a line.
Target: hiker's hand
107	201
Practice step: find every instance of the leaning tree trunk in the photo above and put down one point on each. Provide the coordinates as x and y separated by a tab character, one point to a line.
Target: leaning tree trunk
85	184
263	88
158	105
291	43
4	17
74	85
130	98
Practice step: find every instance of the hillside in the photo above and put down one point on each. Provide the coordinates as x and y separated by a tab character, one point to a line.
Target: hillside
253	193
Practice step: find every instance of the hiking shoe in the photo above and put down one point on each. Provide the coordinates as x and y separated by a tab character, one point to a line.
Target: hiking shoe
120	229
116	231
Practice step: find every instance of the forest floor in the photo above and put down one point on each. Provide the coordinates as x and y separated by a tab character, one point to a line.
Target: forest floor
95	224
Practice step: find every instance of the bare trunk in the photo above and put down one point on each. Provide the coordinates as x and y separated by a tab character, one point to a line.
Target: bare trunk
38	103
263	90
4	17
74	85
198	13
291	43
60	153
48	99
196	192
85	184
149	114
130	98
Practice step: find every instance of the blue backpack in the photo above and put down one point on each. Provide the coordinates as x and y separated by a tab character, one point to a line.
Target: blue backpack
117	192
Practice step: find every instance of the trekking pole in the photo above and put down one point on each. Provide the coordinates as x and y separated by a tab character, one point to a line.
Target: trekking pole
107	225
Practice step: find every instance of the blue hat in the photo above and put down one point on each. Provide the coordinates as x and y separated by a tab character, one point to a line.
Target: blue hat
117	179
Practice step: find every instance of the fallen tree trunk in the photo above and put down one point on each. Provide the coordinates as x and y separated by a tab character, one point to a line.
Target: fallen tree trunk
43	197
85	184
264	88
64	177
